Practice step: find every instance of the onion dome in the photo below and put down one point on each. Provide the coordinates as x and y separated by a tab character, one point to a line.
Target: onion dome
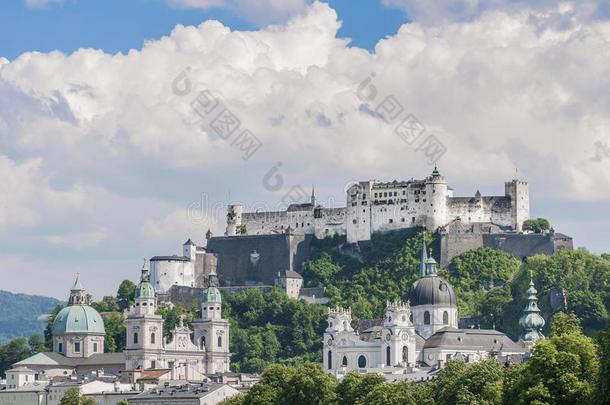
211	293
145	289
78	316
531	321
430	289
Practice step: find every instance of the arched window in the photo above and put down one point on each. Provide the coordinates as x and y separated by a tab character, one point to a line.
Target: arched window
219	341
94	347
135	338
405	354
60	347
426	318
330	359
362	361
388	361
445	318
152	338
344	361
202	342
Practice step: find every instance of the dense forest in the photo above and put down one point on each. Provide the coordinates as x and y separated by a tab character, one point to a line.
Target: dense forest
23	315
271	328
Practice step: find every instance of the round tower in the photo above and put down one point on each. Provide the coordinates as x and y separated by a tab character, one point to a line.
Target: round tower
234	213
436	200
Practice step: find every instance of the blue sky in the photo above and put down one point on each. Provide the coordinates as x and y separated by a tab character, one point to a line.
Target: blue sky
121	25
102	165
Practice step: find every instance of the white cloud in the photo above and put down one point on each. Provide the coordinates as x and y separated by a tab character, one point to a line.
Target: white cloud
41	3
524	88
79	240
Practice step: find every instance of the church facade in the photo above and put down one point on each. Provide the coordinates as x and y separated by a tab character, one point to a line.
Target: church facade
423	331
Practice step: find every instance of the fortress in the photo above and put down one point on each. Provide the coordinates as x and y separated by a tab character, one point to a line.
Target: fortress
373	206
259	245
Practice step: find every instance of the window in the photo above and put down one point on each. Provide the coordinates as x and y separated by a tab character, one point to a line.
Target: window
135	338
391	220
60	347
344	361
77	347
152	338
219	341
445	318
202	342
387	356
361	362
153	364
94	347
426	318
330	359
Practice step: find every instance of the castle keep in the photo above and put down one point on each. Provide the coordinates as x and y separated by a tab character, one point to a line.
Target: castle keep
373	206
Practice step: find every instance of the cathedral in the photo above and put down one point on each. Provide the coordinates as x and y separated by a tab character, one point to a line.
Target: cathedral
421	332
78	338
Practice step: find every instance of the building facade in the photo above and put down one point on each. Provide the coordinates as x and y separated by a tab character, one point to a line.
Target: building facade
373	206
147	349
420	332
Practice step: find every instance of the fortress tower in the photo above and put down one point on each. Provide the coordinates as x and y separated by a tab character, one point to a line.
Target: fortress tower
436	200
234	219
519	193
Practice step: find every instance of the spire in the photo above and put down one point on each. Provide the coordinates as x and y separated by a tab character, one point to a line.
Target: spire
144	289
424	258
77	285
313	196
531	321
211	293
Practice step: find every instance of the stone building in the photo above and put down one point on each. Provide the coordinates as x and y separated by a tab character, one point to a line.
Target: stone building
373	206
420	332
190	269
147	349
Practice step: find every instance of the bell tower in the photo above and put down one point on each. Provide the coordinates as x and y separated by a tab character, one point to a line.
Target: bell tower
211	330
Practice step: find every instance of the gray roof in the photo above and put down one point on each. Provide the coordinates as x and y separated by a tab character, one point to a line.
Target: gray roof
365	324
300	207
432	290
313	291
170	258
289	274
189	242
473	339
177	391
56	359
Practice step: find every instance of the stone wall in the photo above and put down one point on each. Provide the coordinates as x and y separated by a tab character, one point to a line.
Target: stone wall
256	259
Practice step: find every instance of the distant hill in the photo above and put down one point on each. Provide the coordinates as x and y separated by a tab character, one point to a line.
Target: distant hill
23	314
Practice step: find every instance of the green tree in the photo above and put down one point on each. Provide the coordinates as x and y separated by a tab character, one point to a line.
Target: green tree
354	387
563	369
536	225
48	332
13	352
37	344
125	294
107	304
114	325
602	394
478	383
72	397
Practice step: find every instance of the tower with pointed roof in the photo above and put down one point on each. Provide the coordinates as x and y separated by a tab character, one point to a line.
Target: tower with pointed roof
432	299
211	330
144	328
531	321
78	329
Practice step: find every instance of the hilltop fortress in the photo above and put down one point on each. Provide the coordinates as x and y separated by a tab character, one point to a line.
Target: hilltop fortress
376	207
259	247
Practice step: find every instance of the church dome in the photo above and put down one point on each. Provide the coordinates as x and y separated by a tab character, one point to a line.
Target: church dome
145	288
432	290
78	319
211	293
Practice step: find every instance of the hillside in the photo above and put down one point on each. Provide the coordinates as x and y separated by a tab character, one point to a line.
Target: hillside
23	314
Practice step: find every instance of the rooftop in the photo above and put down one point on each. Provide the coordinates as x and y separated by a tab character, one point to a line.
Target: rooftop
178	391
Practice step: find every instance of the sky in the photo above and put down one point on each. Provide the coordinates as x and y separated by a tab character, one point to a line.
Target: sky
110	153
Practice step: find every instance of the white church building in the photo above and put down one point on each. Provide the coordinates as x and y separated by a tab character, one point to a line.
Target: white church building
420	332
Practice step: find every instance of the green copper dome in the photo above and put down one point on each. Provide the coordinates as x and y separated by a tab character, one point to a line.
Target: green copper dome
144	289
211	293
531	321
78	317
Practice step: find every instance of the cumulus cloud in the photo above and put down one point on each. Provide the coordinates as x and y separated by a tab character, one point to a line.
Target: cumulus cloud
117	135
79	240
